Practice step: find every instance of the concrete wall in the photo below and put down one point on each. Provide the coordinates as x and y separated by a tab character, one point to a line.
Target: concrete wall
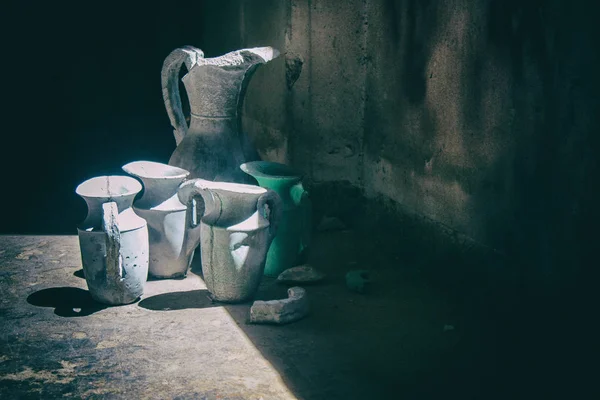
475	114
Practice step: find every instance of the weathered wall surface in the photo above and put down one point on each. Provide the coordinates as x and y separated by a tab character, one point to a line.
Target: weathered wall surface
476	114
265	115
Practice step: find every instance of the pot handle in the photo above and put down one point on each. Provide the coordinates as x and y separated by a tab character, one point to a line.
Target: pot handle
302	199
271	199
192	190
170	86
114	261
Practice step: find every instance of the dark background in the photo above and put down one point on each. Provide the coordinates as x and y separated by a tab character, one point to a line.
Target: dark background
82	97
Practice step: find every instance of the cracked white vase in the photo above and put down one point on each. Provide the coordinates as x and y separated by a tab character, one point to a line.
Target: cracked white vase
113	240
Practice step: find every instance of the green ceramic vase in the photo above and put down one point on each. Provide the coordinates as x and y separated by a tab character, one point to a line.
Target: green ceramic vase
293	235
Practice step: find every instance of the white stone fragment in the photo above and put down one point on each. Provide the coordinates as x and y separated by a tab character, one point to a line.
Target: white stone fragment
281	311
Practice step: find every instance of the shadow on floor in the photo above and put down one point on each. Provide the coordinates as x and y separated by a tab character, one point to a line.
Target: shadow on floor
79	273
67	301
179	301
173	278
196	266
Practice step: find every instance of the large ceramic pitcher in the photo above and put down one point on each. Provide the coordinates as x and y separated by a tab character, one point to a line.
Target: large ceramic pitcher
113	240
172	240
294	233
211	147
237	228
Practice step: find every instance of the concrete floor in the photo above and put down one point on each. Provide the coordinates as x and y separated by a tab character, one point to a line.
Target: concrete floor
401	339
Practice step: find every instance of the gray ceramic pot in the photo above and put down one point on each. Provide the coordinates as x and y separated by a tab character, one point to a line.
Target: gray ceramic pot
211	146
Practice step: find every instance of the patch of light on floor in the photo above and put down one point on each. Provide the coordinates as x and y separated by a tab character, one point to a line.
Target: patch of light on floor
256	382
241	364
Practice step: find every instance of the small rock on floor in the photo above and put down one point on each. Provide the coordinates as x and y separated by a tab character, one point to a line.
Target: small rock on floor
357	280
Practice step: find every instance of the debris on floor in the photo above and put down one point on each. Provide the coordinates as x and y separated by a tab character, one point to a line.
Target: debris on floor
301	274
357	280
330	224
448	328
280	311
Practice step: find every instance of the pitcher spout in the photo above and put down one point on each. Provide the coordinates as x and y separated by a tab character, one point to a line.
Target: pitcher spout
216	86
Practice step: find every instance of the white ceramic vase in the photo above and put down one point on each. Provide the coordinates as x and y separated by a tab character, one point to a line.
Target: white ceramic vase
172	237
113	240
237	228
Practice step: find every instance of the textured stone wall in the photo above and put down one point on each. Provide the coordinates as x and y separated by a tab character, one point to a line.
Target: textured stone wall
478	115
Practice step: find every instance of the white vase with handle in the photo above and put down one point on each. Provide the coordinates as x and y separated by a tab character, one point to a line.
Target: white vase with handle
113	240
237	228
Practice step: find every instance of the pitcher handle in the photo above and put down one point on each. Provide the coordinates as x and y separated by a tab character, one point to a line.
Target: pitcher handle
271	199
189	191
114	261
170	86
